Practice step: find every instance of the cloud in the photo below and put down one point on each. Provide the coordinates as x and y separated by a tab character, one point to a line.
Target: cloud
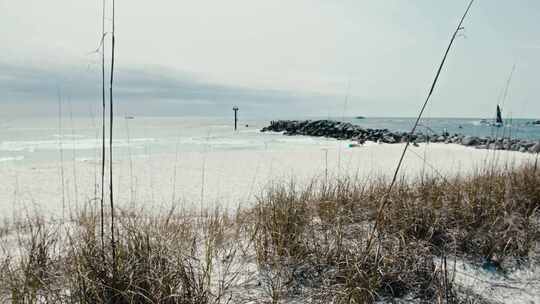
148	90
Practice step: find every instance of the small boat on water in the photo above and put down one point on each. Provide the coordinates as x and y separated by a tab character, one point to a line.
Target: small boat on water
498	119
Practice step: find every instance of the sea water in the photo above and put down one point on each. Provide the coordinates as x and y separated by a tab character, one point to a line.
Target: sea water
43	139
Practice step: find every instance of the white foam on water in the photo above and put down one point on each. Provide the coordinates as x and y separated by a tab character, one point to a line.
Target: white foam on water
83	144
11	158
220	141
476	123
68	136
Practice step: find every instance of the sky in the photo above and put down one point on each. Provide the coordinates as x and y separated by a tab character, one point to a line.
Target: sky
272	58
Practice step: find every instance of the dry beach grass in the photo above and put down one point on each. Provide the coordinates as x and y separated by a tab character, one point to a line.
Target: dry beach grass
303	244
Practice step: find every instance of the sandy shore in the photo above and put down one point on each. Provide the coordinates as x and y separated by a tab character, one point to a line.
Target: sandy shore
225	178
235	177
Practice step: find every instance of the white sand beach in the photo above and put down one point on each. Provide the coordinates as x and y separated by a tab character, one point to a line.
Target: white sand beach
225	178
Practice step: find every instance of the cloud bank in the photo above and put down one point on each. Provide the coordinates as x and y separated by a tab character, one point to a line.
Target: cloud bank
140	91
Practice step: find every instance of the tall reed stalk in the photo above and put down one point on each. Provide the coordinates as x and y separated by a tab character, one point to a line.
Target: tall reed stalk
96	153
111	120
203	177
61	148
73	155
103	110
131	186
175	169
345	104
385	200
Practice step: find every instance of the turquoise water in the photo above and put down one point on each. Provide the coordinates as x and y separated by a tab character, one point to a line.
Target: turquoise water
42	139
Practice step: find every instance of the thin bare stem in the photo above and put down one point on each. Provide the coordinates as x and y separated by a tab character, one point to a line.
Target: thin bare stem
103	110
345	103
508	81
74	155
203	172
175	170
111	120
96	152
131	187
432	88
61	148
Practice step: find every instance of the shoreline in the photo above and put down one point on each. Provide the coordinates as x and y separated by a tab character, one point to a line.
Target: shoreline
234	177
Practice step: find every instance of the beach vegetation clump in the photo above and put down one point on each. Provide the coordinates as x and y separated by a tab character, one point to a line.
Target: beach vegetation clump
489	216
317	238
174	258
305	243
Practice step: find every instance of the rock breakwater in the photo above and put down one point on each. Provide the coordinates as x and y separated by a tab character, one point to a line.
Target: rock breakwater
349	131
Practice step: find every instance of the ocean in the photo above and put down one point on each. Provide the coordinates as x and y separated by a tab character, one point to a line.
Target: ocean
42	139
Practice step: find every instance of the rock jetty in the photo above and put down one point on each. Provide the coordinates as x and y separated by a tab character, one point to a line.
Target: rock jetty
349	131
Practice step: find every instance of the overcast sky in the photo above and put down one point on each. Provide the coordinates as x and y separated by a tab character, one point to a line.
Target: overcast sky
197	57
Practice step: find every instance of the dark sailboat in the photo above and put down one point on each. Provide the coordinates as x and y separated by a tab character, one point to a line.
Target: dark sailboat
498	120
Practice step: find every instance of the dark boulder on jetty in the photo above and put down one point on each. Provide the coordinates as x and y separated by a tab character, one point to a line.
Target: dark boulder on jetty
470	141
341	130
348	131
